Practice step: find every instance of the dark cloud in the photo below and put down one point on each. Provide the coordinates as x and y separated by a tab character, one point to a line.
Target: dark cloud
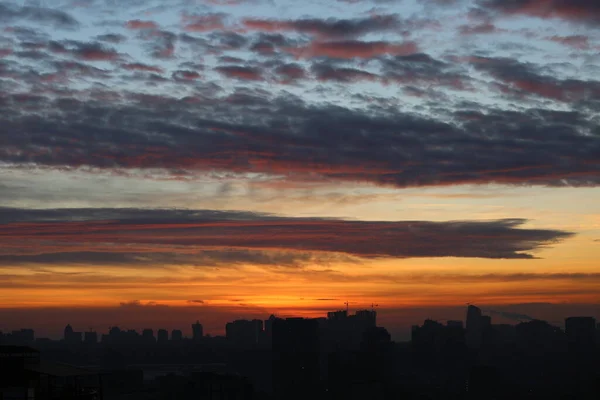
289	73
424	71
185	75
142	67
329	28
241	72
56	18
571	10
258	132
228	40
111	38
196	301
518	77
327	72
204	237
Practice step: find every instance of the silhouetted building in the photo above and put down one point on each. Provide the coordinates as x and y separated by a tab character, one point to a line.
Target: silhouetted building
475	327
68	332
539	337
176	335
162	336
337	315
244	333
454	324
296	368
90	337
72	337
197	331
581	333
341	331
148	336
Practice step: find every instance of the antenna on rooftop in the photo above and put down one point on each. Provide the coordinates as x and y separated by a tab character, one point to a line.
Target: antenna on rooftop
347	303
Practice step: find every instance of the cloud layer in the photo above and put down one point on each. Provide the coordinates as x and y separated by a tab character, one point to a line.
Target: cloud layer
360	97
163	237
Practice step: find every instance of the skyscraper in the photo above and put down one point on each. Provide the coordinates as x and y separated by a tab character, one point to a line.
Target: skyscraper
474	324
197	331
176	335
148	336
68	332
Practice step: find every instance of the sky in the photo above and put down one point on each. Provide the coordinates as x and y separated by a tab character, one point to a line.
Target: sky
163	162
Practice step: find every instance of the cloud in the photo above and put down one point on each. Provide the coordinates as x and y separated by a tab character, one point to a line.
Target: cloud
196	301
139	304
93	51
289	73
56	18
571	10
576	41
111	38
139	24
203	23
185	75
166	237
518	77
353	49
328	28
142	67
240	72
326	72
381	145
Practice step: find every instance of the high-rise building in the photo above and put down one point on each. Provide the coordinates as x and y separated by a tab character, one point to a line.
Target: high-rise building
148	335
162	335
197	331
454	324
68	332
581	333
244	333
475	327
367	318
71	336
176	335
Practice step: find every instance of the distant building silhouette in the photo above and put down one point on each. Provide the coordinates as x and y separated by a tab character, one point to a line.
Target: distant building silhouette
148	336
176	335
244	333
68	332
197	331
475	327
539	337
162	336
72	337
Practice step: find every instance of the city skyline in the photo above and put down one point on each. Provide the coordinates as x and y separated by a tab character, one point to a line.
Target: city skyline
171	161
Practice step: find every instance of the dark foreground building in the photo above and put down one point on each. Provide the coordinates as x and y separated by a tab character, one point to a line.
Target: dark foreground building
296	367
